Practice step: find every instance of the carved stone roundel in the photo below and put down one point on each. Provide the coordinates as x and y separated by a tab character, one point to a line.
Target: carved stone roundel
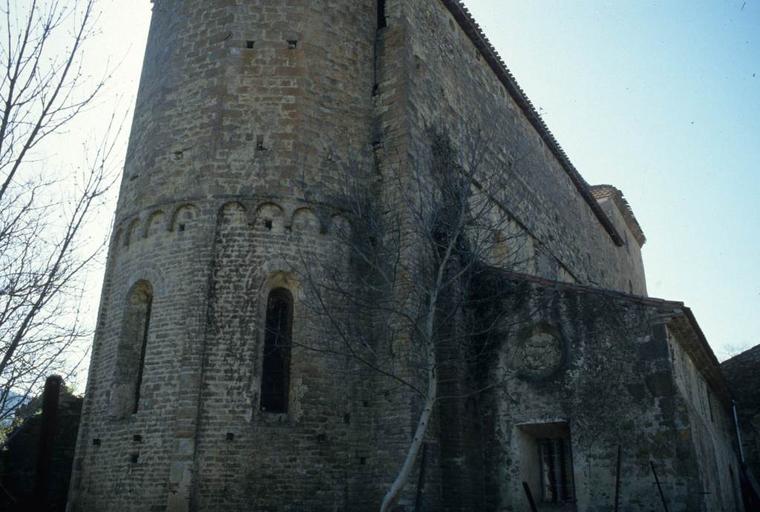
539	354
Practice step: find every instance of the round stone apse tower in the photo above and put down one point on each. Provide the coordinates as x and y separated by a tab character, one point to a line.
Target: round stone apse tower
251	118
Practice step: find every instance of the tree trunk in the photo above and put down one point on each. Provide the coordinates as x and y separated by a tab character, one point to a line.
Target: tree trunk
394	493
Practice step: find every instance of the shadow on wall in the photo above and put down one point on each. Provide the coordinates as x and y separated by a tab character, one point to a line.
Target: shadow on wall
750	490
35	465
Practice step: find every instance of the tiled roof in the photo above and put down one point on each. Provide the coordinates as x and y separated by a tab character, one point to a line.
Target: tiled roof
476	35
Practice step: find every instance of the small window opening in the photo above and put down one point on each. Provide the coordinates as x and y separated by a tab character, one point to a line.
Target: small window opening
96	442
382	20
230	437
556	473
275	378
292	44
134	457
546	464
260	143
268	224
709	404
250	44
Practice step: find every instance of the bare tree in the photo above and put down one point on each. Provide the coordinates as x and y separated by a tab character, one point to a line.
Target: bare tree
417	239
43	216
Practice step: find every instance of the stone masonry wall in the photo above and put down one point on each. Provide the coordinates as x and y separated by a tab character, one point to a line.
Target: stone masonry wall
710	429
121	460
607	368
742	374
451	87
246	458
253	121
632	248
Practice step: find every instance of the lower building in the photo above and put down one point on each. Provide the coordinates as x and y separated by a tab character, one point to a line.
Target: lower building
743	375
597	401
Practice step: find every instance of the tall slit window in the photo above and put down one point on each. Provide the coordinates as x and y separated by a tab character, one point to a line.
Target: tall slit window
382	22
132	348
275	377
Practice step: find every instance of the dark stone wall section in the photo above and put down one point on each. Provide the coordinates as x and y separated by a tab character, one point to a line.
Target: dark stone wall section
743	375
35	466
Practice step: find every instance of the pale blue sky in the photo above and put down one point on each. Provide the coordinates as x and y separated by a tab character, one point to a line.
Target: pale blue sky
659	98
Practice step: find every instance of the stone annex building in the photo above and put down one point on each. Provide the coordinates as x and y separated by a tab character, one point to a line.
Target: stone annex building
741	372
252	118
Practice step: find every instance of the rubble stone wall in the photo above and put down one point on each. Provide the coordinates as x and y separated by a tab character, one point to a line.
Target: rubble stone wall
744	379
608	369
453	88
254	121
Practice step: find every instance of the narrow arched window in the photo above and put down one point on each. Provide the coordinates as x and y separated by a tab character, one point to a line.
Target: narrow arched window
130	361
275	376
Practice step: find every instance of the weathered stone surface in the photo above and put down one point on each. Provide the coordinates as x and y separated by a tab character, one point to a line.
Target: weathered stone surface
658	409
253	119
743	375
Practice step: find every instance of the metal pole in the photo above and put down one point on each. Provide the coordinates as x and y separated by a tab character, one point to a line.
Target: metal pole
617	479
738	432
529	495
659	487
